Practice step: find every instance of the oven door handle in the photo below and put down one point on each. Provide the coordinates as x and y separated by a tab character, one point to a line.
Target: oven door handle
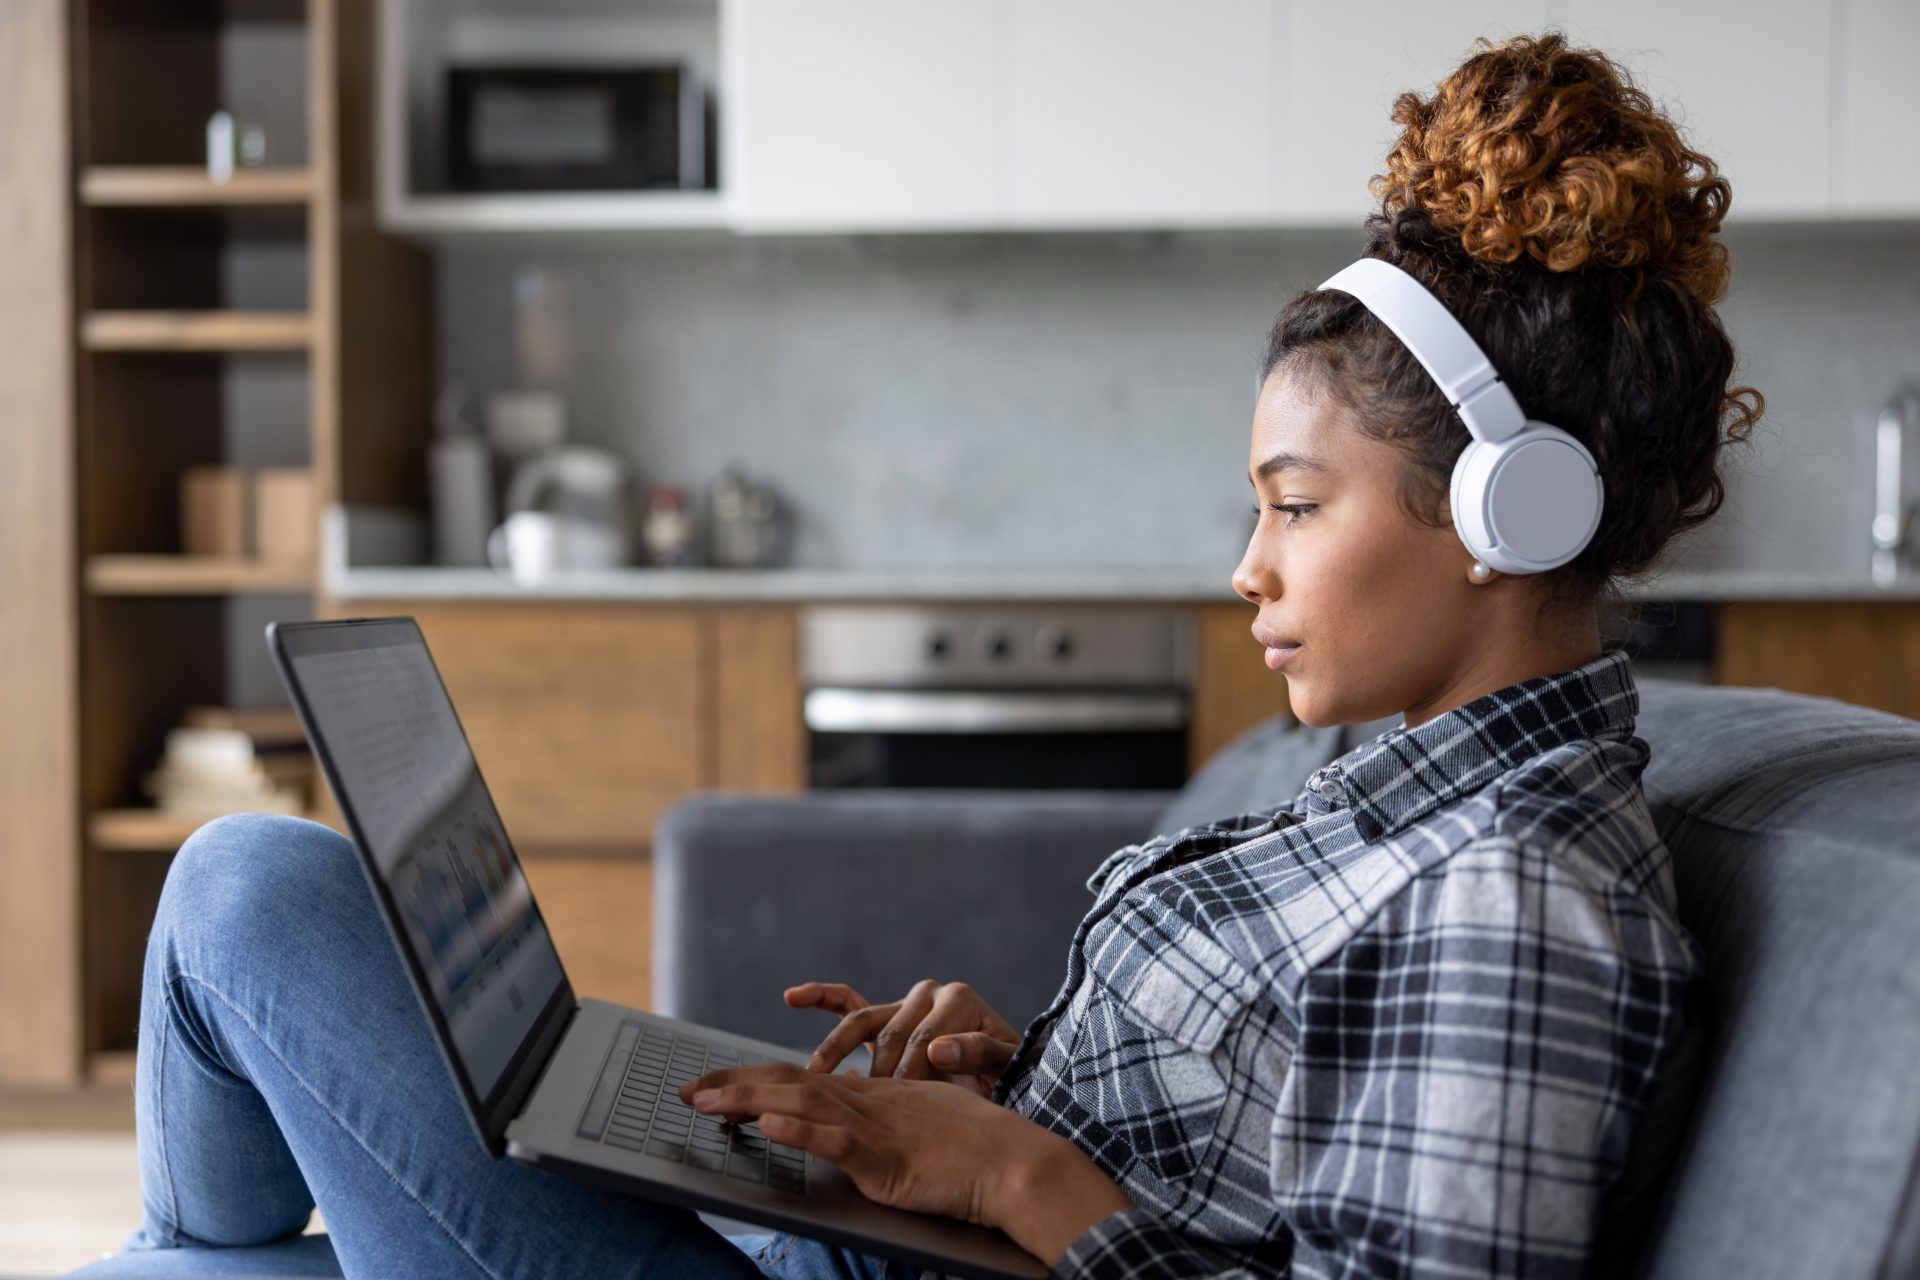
837	710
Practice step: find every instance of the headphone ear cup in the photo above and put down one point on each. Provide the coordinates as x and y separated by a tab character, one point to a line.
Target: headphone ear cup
1528	503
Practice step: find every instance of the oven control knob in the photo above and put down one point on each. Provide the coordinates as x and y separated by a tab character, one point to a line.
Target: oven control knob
938	646
995	646
1055	643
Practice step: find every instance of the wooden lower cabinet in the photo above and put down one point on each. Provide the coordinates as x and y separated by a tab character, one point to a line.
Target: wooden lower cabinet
590	720
1232	688
1863	652
600	912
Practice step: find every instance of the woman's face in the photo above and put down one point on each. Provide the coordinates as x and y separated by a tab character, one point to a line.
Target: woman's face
1380	605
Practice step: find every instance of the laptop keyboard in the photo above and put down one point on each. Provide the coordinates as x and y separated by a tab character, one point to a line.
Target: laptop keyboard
636	1104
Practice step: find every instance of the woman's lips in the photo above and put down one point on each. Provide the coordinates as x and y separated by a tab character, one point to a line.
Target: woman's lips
1279	657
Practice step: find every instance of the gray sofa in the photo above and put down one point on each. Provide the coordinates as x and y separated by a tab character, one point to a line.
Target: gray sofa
1795	827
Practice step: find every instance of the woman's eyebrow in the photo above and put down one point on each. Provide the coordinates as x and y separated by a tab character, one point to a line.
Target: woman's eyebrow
1284	461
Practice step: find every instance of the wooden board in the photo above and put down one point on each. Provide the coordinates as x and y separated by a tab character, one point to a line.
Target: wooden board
759	737
197	330
194	575
1232	688
600	911
1866	653
166	186
40	966
587	719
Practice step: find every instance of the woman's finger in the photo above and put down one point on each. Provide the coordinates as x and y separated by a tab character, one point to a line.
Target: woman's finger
807	1099
854	1030
972	1051
835	997
891	1042
953	1011
828	1141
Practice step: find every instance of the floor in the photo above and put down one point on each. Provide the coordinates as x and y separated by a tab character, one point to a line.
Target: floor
67	1198
69	1179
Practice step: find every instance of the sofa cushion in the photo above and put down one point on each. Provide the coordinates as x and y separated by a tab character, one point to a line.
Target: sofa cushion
1792	821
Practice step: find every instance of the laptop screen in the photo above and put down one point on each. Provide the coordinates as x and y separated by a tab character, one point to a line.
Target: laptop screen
407	780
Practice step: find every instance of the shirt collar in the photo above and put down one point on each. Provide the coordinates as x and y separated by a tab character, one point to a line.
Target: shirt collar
1404	774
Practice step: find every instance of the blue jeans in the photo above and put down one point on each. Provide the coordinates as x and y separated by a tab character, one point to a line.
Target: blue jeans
284	1061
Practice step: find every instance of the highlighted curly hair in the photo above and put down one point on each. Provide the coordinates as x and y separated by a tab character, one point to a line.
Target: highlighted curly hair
1567	225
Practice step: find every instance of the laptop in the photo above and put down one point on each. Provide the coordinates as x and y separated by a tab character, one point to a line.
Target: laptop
583	1087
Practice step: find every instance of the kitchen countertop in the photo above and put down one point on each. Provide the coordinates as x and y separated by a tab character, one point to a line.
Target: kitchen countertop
1039	585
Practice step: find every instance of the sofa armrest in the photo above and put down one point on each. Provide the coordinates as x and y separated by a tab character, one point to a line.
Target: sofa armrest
876	889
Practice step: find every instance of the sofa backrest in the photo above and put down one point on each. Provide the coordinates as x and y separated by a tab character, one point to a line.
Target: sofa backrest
1794	824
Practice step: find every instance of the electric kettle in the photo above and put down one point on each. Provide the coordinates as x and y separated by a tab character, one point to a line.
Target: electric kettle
588	490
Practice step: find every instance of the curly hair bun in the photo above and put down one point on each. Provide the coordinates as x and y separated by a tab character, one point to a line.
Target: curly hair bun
1532	146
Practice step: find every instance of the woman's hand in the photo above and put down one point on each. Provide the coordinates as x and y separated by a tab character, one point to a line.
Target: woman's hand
938	1031
912	1144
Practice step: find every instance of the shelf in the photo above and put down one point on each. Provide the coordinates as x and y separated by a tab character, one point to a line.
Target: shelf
197	330
194	575
150	830
184	185
665	210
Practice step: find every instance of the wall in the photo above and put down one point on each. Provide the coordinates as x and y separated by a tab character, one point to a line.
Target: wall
1084	401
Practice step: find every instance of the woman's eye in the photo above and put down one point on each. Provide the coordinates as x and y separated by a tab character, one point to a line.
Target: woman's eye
1296	511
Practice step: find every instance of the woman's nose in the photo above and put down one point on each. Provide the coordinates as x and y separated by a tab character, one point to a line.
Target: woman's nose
1250	580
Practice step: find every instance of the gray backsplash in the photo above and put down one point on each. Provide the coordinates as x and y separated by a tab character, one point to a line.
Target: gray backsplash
1083	401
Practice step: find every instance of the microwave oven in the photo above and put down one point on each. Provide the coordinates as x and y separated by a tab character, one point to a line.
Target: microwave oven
575	128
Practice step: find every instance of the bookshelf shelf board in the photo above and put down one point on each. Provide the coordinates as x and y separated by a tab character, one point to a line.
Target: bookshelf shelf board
197	330
194	575
150	830
175	186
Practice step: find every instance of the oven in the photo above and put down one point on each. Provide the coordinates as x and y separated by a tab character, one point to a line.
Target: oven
996	696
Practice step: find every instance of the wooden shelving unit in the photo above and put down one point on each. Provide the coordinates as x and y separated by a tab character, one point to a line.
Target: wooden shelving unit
197	331
179	311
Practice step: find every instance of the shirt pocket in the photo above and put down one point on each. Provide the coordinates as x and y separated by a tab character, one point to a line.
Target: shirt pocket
1167	1006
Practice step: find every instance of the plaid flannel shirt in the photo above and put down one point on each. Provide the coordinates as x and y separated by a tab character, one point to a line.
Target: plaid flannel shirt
1401	1026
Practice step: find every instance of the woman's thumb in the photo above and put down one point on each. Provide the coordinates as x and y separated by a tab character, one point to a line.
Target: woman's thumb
970	1051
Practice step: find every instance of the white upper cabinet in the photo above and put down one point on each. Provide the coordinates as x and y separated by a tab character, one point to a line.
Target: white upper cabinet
1876	102
1750	86
1144	112
1349	61
860	114
1006	114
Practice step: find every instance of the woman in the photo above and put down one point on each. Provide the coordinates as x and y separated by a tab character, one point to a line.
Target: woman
1412	1022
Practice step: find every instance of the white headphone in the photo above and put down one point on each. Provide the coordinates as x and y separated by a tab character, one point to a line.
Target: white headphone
1526	496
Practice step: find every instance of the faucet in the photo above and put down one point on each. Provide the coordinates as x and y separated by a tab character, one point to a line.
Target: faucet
1893	515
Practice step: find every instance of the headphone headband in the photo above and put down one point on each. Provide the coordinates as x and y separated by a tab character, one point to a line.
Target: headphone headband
1526	496
1439	342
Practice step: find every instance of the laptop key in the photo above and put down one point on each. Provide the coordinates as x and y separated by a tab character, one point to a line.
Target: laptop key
674	1151
703	1158
746	1168
786	1180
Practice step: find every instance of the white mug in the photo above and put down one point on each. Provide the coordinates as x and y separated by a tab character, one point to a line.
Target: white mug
531	545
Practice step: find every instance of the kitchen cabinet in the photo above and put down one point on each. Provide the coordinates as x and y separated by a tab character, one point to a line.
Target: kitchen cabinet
1345	64
1875	101
966	114
1156	111
1756	95
860	114
590	720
